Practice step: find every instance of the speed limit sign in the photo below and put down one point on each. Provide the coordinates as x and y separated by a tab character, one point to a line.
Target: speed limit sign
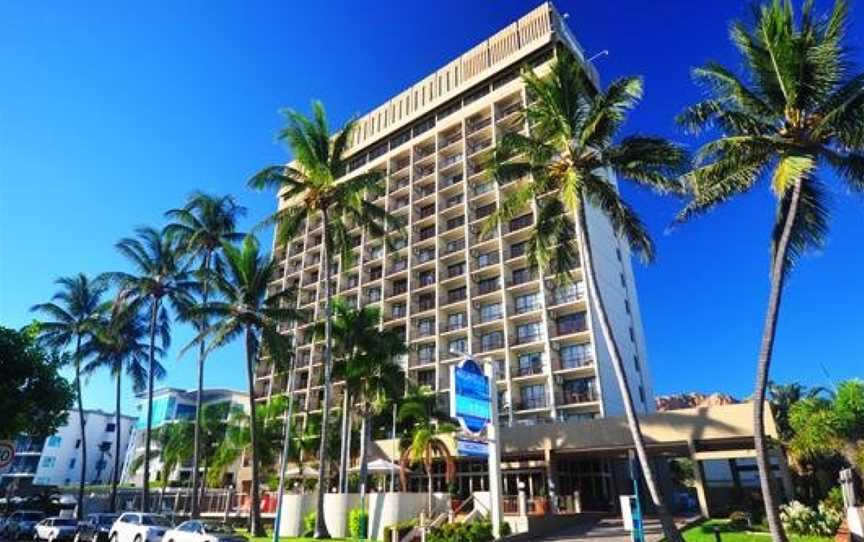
7	453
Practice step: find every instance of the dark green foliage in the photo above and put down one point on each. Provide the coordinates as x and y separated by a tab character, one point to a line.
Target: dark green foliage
402	528
309	524
478	531
34	397
358	523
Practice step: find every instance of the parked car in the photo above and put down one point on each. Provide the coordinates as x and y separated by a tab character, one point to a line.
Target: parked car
138	527
202	531
20	524
95	528
52	529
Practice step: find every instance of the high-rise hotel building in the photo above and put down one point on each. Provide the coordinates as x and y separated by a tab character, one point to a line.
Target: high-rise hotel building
444	285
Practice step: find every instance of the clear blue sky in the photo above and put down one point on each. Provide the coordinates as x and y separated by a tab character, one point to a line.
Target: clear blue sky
111	112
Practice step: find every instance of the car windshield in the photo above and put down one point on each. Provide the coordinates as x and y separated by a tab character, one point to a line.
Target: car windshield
64	522
30	516
158	521
105	520
217	528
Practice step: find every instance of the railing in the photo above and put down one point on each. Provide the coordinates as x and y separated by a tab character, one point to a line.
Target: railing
398	265
487	287
425	305
479	146
455	223
521	277
425	331
427	234
483	188
489	259
422	153
533	369
510	109
575	397
452	180
426	212
528	337
472	127
454	246
450	160
528	404
453	201
566	329
453	327
456	296
577	363
425	256
495	344
521	222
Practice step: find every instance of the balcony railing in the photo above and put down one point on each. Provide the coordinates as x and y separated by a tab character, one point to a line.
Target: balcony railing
531	403
452	180
454	223
452	326
479	146
454	297
398	265
529	370
574	397
525	338
472	127
450	160
426	212
490	316
521	222
426	305
485	287
577	362
483	188
427	234
454	246
425	256
487	259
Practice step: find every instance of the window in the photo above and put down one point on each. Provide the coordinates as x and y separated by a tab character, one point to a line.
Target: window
632	334
400	286
77	443
427	278
455	222
489	312
72	463
527	333
642	393
522	275
426	353
487	259
427	233
109	427
575	355
527	302
568	293
426	255
484	211
530	363
48	462
486	286
374	294
455	270
491	341
426	378
456	294
518	249
457	345
521	222
580	390
426	302
398	310
453	246
533	396
425	327
571	323
618	254
54	441
427	211
376	252
627	306
636	364
453	200
457	320
623	280
375	273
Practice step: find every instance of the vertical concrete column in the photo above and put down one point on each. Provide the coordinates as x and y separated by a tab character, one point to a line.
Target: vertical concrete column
552	479
699	479
523	500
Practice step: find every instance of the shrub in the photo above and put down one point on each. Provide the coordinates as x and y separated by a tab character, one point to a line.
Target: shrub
358	523
402	528
739	521
834	500
309	525
479	531
800	519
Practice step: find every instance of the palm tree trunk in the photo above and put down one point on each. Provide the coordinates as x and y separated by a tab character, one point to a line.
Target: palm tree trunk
255	526
365	430
320	525
343	448
669	530
769	331
115	476
79	510
202	354
286	448
145	491
429	487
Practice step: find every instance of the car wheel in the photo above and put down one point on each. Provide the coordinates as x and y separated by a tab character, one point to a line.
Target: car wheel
137	538
113	537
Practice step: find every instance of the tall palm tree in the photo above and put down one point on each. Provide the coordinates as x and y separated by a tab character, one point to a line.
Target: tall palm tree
368	368
566	154
246	309
160	279
119	344
200	227
74	309
419	407
312	188
173	447
796	111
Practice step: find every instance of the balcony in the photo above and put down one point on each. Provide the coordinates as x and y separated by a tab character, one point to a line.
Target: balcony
490	316
521	222
530	369
474	148
424	256
426	279
487	286
397	266
398	289
399	185
425	330
484	211
494	343
425	191
531	403
577	362
454	223
426	304
574	397
451	160
400	165
518	250
455	271
453	326
422	152
571	324
521	276
454	296
451	180
477	125
454	246
398	311
485	260
509	110
427	233
526	338
426	212
483	188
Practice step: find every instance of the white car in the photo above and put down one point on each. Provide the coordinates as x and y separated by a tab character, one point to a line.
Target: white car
202	531
52	529
138	527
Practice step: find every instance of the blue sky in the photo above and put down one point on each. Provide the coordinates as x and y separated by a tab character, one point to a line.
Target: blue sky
112	113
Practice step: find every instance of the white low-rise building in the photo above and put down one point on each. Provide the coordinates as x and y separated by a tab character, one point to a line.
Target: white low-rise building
56	460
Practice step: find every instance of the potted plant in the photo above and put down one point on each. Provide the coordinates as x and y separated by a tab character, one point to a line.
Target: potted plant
455	497
541	502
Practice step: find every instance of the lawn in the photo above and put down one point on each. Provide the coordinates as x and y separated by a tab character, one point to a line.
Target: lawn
269	538
704	532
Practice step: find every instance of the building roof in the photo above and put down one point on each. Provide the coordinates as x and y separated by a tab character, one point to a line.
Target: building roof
209	393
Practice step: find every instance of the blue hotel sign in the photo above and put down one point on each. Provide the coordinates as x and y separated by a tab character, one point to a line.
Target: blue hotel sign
470	402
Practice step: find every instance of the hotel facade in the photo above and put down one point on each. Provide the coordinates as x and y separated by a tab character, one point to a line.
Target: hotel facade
447	287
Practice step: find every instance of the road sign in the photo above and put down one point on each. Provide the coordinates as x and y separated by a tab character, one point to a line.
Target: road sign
470	403
472	448
7	454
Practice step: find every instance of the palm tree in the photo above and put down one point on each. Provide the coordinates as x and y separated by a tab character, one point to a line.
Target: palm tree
247	309
419	407
566	154
200	227
173	447
119	344
74	309
797	109
782	397
312	188
161	279
367	367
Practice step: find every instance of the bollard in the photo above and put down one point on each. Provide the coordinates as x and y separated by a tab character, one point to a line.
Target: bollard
717	537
